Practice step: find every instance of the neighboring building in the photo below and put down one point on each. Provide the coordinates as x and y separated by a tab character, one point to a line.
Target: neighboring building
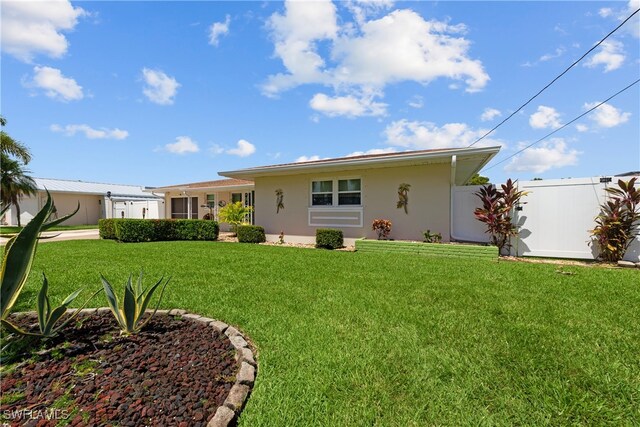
350	192
204	199
96	200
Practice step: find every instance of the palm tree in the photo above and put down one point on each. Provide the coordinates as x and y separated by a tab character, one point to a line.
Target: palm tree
12	147
14	183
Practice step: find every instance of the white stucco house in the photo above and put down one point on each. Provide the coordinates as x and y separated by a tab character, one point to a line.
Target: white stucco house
97	200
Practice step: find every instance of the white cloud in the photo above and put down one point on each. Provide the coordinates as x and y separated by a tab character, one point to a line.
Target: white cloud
159	87
549	56
183	145
55	85
550	154
215	149
243	149
416	101
606	115
218	29
32	27
91	133
605	12
361	9
582	128
545	117
307	158
489	114
349	106
401	46
610	54
426	135
372	151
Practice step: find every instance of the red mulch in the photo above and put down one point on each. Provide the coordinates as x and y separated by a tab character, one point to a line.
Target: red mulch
176	372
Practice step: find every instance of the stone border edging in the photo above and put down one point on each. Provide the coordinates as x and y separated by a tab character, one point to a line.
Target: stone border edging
245	378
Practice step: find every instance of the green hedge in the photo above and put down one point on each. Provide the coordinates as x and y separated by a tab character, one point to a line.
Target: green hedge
150	230
329	238
107	228
251	234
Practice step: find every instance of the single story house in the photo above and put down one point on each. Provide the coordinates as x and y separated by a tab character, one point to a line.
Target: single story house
413	189
97	200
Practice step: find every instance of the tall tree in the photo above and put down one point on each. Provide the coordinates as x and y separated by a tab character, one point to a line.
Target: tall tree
11	147
14	183
478	179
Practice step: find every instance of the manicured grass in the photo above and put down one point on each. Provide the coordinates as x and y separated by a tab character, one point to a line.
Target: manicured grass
393	339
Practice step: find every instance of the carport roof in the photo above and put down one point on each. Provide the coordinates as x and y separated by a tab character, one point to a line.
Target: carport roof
93	188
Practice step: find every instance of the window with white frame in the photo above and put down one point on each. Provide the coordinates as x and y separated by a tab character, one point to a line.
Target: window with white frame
322	193
337	192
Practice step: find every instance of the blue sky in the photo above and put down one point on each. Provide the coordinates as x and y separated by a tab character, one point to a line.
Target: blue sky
159	93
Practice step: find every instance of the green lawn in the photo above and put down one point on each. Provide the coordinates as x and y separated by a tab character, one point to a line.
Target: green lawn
361	339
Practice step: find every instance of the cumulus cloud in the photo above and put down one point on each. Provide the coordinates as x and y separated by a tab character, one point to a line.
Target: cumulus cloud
606	116
610	54
307	158
55	85
633	25
489	114
348	106
545	117
373	151
582	127
183	145
36	27
426	135
89	132
243	149
217	30
159	87
367	55
549	155
361	9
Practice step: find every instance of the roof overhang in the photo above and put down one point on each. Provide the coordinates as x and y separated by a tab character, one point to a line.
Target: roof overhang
468	162
187	189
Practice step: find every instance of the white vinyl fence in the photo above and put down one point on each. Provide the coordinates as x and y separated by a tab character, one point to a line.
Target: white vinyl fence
554	221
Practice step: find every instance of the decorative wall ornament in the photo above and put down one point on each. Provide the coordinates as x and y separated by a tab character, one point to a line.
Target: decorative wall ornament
403	196
279	200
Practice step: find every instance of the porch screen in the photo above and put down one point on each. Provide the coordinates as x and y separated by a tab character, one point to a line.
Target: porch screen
180	208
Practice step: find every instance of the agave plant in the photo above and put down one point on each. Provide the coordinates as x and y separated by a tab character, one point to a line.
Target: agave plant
19	253
136	299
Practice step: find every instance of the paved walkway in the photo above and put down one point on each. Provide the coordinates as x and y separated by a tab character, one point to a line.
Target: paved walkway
64	235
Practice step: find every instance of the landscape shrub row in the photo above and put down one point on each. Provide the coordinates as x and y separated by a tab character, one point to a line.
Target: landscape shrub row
152	230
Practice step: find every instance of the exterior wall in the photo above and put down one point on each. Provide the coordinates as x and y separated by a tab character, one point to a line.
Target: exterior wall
91	208
429	202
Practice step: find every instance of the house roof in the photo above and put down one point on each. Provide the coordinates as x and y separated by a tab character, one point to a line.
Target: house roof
94	188
220	184
468	162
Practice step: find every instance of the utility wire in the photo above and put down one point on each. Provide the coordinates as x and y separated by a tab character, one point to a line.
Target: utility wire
563	126
553	81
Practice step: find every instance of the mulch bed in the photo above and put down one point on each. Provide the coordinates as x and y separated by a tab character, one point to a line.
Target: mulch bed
176	372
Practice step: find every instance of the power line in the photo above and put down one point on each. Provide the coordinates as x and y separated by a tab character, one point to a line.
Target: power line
563	126
554	80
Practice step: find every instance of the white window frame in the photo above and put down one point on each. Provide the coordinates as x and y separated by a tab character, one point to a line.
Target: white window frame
335	194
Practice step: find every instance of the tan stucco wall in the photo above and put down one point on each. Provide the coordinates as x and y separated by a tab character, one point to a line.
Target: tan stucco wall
429	201
91	208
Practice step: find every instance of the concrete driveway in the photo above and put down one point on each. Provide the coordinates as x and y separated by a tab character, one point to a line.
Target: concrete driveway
64	235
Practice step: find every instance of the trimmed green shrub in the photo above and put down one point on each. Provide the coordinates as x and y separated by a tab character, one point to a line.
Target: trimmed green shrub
135	230
195	229
329	238
107	228
251	234
152	230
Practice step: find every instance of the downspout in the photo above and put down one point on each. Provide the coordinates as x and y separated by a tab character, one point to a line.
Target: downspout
452	234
